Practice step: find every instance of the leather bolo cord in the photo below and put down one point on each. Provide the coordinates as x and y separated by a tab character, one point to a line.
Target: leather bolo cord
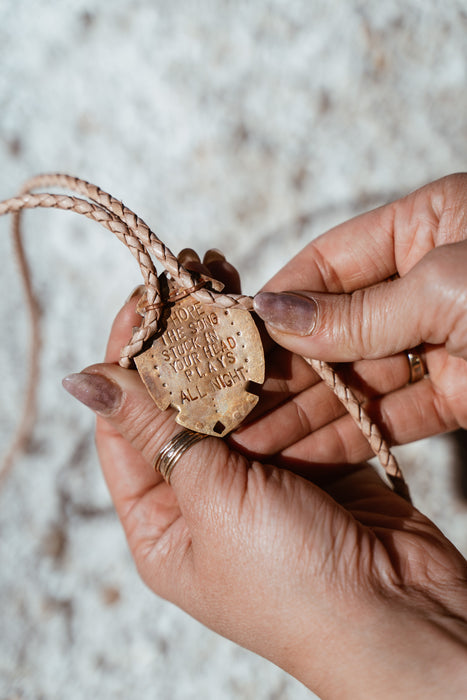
143	243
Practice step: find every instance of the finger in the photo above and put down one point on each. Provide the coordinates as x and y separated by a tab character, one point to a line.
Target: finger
287	374
411	413
214	265
105	392
188	255
147	507
343	327
163	524
369	379
119	396
129	477
373	246
299	416
355	254
223	271
284	417
189	258
122	326
149	512
376	321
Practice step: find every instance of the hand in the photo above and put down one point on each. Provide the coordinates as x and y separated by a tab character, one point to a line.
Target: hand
319	580
354	315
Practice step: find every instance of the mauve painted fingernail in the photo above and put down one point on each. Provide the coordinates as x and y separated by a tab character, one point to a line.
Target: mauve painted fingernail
289	312
94	390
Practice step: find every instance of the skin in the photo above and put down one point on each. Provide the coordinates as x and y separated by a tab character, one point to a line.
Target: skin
422	238
280	538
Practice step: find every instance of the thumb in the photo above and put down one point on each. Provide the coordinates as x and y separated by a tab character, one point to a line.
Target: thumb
133	432
369	323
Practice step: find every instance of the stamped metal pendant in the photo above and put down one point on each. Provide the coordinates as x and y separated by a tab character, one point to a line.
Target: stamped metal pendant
201	362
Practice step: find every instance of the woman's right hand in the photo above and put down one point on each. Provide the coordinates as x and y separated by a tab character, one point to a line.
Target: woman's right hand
301	573
345	310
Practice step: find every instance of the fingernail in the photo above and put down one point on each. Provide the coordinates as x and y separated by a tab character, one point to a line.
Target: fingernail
289	312
213	255
188	255
97	392
137	291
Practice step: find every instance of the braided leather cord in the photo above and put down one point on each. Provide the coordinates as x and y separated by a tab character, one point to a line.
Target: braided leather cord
131	230
137	236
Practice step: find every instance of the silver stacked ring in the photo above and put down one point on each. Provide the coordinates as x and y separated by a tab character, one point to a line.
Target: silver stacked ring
171	452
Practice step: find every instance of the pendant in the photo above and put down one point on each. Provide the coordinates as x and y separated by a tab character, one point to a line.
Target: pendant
201	362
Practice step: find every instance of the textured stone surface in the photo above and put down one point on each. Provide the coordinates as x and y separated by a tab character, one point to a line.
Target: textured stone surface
251	127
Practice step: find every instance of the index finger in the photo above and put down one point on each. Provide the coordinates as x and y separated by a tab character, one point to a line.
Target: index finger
374	246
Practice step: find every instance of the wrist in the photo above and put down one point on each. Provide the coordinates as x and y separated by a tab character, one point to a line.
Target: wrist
393	651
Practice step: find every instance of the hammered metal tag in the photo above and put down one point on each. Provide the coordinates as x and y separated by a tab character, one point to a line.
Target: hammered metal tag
201	363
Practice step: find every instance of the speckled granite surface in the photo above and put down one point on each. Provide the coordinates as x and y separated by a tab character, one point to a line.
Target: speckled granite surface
247	126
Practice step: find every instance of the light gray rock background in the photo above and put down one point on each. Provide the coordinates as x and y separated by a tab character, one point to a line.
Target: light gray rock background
247	126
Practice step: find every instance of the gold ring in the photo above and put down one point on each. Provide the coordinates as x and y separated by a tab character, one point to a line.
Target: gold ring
171	452
416	365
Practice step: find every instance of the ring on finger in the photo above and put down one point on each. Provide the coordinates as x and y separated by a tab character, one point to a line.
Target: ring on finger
171	452
417	367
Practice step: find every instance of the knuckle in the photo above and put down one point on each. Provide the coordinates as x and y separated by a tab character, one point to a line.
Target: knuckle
302	417
446	192
447	200
361	323
340	321
454	186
